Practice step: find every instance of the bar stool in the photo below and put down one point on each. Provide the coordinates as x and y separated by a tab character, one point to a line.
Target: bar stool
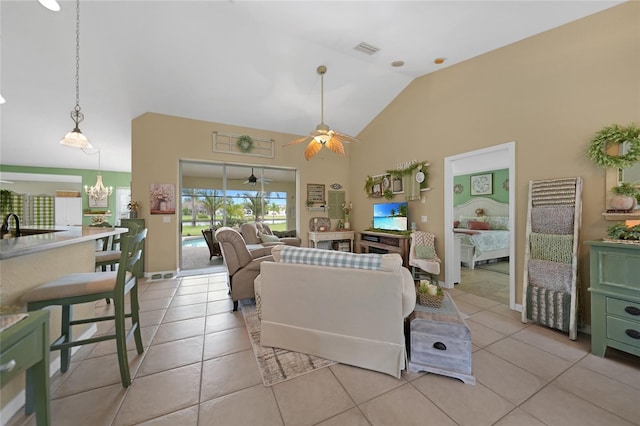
89	287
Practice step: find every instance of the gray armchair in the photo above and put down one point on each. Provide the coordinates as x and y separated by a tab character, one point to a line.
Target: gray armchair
242	265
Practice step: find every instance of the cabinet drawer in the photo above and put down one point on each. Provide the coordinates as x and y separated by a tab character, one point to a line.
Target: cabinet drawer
623	309
624	331
24	353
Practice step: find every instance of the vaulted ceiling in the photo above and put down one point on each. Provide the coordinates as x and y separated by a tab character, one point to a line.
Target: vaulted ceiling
248	63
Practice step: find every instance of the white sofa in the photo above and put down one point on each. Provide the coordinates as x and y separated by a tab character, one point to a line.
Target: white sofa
349	315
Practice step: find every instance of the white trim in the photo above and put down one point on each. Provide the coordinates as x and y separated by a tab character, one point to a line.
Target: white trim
491	158
37	177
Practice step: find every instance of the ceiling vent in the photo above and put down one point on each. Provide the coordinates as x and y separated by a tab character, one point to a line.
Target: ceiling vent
366	48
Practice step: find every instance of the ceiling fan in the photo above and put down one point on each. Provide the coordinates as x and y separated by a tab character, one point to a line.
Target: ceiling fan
323	135
252	179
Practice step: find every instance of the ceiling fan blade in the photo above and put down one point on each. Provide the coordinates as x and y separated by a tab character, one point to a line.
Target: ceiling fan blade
312	149
304	139
335	145
344	138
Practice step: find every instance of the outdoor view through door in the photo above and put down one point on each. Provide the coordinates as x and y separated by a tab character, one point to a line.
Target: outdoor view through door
215	195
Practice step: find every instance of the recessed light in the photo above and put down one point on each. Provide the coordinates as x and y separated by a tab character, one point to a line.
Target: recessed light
439	61
397	64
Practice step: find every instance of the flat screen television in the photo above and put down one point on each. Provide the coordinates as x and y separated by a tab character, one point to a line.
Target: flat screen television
391	216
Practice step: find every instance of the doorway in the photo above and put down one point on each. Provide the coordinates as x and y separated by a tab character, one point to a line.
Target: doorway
495	157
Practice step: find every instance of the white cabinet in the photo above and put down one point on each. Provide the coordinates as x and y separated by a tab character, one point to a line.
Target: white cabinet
68	211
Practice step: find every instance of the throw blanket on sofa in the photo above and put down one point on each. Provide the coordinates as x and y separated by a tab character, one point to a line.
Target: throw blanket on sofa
338	259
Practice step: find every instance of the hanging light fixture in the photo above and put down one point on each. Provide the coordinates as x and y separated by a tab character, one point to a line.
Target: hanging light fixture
75	138
52	5
323	135
98	191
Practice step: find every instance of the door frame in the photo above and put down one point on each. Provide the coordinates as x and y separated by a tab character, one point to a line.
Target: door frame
500	156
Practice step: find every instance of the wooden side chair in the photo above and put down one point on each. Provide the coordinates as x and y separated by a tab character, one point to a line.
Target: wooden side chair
89	287
212	243
423	258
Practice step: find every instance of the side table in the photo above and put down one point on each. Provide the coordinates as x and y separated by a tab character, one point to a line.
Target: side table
25	347
440	341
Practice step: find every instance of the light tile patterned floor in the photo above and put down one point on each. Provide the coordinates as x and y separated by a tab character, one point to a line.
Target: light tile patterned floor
198	368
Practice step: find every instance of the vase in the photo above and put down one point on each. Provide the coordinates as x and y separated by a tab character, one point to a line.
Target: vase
163	206
347	226
133	214
622	203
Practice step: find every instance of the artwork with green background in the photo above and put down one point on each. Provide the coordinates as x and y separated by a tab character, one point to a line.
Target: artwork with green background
462	185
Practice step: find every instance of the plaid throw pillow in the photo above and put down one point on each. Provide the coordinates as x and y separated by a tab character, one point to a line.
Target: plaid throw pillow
338	259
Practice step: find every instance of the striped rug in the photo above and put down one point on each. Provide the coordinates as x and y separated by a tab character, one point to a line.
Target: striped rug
277	365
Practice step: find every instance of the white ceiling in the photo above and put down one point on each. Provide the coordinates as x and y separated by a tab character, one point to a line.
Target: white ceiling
249	63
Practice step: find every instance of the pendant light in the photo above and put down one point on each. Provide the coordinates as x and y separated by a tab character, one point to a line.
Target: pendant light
52	5
75	138
98	191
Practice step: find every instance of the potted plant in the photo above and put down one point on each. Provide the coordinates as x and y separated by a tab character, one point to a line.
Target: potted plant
621	231
430	294
624	198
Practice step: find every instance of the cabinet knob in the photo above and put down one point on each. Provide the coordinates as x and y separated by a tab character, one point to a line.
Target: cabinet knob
634	334
632	310
5	368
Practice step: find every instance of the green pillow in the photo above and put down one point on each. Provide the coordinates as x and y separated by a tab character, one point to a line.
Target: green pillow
425	252
266	238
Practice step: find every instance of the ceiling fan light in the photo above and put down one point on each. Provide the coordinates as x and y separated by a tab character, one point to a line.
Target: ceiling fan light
322	138
76	139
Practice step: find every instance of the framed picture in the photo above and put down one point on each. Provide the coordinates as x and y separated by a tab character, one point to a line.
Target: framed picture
94	202
396	185
482	184
162	198
315	193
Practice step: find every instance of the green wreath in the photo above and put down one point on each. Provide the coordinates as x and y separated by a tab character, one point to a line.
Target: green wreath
615	134
245	143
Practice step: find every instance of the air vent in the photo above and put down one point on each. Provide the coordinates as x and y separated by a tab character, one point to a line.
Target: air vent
366	48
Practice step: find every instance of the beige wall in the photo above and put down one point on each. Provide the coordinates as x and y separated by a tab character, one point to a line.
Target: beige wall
160	141
549	93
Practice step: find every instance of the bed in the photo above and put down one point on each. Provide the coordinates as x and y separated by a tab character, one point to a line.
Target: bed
486	240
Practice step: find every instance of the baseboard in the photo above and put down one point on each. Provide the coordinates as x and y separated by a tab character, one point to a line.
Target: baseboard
17	403
161	275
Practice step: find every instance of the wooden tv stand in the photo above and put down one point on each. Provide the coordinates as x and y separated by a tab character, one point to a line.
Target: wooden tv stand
380	242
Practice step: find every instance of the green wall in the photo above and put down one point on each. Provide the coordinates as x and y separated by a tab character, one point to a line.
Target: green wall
500	181
114	179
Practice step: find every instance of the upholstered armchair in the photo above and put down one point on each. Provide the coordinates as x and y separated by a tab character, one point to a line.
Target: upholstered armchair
242	265
260	233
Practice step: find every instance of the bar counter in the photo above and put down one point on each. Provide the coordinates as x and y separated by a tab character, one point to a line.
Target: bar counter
32	260
49	237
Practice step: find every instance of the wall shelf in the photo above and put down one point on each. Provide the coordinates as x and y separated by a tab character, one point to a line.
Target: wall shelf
622	216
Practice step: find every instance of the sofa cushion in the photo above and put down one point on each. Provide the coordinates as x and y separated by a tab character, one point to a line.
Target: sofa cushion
266	238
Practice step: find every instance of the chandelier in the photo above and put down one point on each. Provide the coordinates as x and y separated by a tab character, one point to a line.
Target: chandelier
98	191
75	138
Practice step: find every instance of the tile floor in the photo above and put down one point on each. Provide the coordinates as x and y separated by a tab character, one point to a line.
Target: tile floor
198	368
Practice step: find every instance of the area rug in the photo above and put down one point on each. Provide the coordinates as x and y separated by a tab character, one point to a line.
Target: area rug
277	365
500	267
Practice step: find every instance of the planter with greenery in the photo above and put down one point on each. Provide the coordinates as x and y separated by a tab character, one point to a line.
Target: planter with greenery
624	198
623	233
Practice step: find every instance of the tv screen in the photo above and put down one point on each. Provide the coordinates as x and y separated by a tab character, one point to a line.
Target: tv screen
390	216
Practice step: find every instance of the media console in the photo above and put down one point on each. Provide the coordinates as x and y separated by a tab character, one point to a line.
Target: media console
380	242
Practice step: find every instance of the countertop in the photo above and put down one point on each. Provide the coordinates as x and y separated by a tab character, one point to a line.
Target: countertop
53	237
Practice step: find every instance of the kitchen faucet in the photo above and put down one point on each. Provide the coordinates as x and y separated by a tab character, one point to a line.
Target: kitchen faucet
6	229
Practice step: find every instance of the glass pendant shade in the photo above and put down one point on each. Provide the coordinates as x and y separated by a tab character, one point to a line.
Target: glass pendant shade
76	139
52	5
98	191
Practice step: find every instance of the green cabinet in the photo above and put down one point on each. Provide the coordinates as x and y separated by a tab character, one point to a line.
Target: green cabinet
615	296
